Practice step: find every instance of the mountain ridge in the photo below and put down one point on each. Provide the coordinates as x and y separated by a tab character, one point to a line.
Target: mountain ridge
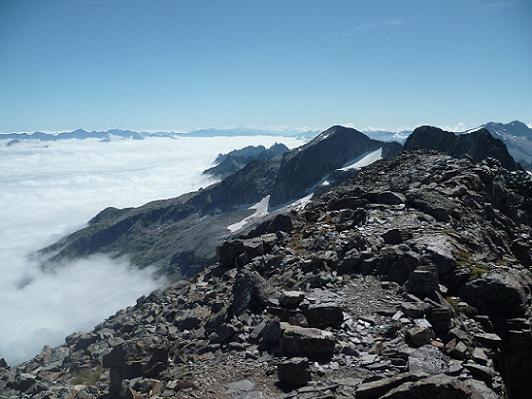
410	279
179	235
479	144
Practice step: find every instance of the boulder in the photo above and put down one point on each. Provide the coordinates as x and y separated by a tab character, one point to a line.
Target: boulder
312	343
396	236
415	310
269	335
237	253
375	389
403	266
291	299
434	387
250	291
324	315
456	349
294	372
501	293
140	387
386	197
419	335
435	204
479	372
427	360
423	282
347	203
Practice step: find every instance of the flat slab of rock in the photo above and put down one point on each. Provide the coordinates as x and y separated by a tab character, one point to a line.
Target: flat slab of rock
324	315
435	387
375	389
291	299
306	342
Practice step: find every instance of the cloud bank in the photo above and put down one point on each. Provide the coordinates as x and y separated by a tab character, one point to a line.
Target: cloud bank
51	189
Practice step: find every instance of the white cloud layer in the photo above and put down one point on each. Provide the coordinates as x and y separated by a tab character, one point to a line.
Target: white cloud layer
50	189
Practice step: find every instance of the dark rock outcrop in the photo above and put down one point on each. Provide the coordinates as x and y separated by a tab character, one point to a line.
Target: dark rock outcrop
478	145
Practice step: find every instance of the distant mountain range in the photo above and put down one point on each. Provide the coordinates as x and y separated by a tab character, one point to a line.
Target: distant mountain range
108	135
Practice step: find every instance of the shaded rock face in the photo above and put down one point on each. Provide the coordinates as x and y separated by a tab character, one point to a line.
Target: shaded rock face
478	145
399	304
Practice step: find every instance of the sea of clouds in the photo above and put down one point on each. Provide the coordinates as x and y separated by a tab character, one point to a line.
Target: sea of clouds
48	190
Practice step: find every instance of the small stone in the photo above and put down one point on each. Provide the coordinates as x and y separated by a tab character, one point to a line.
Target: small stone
480	356
456	349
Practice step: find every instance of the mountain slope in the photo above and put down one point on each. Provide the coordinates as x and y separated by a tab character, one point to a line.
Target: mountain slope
411	280
478	145
303	168
518	138
179	235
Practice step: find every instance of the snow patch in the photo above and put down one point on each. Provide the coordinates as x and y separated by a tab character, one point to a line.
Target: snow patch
261	210
365	161
299	204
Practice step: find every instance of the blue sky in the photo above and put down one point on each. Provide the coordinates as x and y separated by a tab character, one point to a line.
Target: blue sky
180	65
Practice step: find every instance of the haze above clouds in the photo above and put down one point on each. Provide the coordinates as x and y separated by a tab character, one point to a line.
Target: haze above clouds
51	189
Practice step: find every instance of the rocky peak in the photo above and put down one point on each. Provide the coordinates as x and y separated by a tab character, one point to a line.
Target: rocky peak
411	280
302	168
479	145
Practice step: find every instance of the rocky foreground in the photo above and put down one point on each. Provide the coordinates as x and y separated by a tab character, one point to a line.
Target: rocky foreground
412	280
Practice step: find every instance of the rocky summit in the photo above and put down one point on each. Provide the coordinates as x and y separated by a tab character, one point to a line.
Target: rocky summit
478	145
410	280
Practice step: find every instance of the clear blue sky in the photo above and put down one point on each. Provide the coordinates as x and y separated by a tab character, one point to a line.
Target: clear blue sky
174	65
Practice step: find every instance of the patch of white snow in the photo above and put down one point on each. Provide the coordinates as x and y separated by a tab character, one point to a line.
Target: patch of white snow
261	210
365	161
